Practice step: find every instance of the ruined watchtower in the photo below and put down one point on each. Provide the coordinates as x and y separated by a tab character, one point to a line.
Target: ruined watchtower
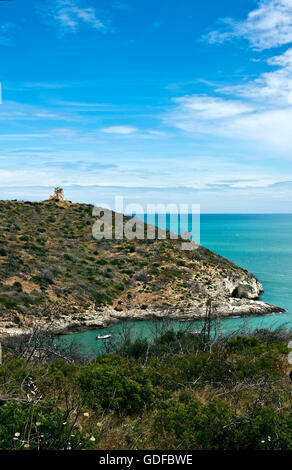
58	195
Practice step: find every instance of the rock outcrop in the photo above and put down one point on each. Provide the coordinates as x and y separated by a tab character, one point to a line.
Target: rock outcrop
242	288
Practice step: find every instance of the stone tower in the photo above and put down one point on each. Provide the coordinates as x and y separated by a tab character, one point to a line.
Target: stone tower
58	195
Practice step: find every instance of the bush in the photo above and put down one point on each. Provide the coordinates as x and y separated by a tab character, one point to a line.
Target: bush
135	349
108	386
216	426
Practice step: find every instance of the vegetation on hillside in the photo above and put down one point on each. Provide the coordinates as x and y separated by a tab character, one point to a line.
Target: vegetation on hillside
50	265
178	391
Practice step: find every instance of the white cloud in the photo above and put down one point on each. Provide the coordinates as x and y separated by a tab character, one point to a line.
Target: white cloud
258	110
274	87
70	15
236	120
207	107
270	25
123	130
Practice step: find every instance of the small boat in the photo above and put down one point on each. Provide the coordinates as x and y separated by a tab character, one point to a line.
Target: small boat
194	332
103	337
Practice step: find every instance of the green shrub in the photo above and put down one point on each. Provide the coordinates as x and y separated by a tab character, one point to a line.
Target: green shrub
215	426
108	386
135	349
242	343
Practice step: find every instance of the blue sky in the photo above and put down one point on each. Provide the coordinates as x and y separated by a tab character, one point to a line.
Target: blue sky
164	100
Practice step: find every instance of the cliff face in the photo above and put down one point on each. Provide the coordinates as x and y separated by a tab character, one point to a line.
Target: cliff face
242	287
53	270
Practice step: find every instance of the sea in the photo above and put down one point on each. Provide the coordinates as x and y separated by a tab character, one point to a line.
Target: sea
260	243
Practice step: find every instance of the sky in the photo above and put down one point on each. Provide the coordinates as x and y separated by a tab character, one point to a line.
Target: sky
163	101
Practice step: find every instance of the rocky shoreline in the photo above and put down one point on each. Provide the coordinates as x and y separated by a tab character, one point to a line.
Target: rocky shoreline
92	319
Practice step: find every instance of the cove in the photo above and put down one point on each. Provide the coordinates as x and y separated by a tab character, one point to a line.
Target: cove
260	243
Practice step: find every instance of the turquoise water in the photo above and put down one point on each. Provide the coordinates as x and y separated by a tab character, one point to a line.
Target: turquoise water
262	244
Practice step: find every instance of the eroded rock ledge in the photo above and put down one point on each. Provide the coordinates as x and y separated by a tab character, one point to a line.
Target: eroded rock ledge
92	319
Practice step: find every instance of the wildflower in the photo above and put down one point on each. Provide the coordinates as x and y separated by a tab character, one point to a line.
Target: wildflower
64	424
269	438
86	415
38	423
262	442
26	446
92	439
99	425
17	434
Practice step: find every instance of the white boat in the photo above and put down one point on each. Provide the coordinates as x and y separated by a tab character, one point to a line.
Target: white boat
103	337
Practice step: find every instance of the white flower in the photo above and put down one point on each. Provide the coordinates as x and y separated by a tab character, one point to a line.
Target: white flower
17	434
86	415
92	439
262	442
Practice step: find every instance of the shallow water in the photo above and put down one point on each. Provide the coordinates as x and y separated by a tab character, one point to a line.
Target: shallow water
262	244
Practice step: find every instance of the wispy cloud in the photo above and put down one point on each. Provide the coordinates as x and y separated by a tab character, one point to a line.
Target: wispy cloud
43	85
269	25
16	111
5	33
121	6
273	87
235	120
122	130
259	110
70	15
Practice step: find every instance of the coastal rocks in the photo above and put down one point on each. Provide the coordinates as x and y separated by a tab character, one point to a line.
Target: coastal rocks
91	319
245	307
242	287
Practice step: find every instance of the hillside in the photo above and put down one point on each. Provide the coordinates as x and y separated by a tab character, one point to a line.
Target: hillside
51	268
